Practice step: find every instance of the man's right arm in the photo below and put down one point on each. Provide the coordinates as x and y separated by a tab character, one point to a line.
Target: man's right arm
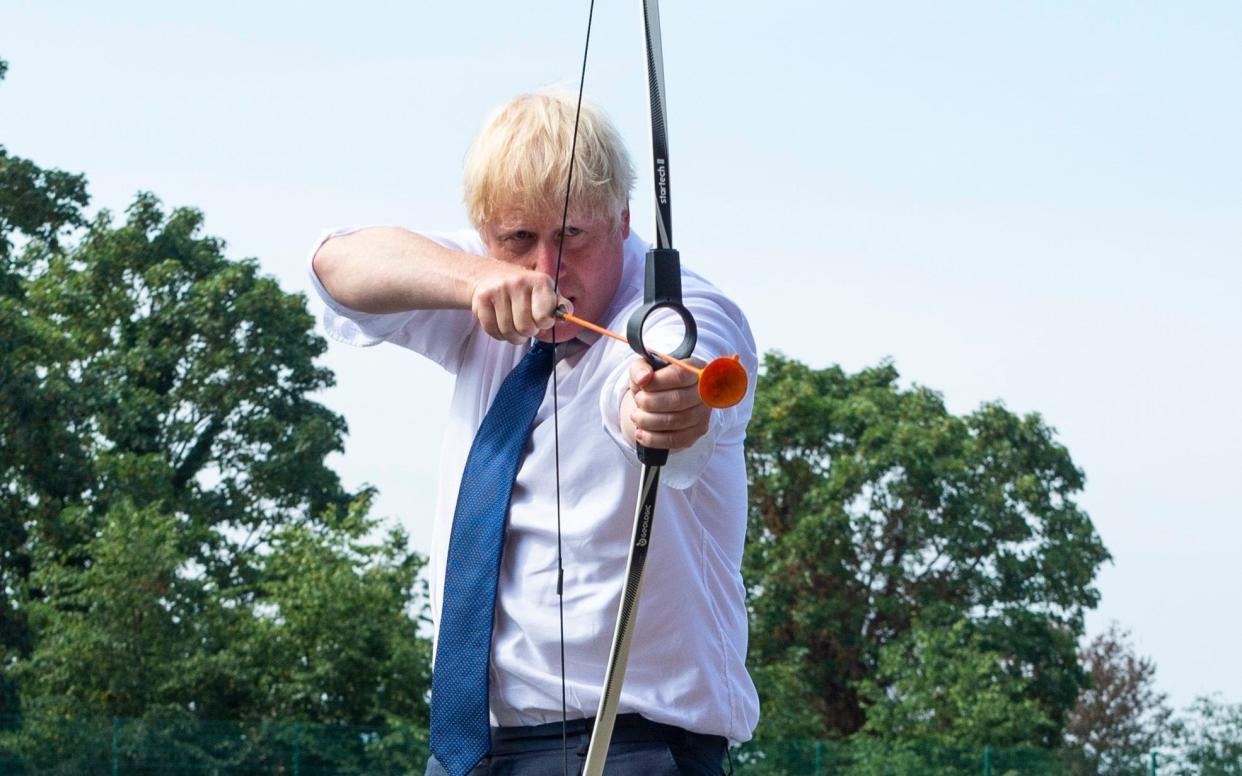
388	270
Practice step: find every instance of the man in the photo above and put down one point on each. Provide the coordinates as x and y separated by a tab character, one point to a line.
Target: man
471	301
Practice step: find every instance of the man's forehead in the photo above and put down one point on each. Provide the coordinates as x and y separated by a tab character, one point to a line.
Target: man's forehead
511	216
518	217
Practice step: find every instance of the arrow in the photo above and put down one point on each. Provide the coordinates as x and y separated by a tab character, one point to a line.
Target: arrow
722	383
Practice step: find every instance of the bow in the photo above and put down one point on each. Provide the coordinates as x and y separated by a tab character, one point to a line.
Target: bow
662	291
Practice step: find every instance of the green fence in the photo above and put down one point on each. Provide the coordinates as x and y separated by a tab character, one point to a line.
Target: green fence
869	758
31	746
95	745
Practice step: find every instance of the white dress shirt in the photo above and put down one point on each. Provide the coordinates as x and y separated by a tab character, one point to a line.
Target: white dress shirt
687	665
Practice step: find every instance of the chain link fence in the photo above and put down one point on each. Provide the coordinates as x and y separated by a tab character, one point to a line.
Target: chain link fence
71	746
74	746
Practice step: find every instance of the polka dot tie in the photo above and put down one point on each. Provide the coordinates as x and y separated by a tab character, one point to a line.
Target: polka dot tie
460	735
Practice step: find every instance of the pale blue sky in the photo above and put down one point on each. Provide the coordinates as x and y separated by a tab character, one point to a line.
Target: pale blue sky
1036	202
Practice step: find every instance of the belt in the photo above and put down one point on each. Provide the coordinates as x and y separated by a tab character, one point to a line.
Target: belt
629	728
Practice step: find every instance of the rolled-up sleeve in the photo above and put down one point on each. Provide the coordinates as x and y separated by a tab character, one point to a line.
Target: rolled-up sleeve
438	334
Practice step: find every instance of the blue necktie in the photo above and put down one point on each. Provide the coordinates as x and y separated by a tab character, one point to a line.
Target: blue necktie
460	735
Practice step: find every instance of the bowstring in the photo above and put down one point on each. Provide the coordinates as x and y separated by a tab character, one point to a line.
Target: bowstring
556	428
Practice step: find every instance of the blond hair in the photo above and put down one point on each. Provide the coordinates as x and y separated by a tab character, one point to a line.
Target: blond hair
520	158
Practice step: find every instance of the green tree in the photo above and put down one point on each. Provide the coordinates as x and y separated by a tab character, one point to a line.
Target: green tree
38	467
173	541
1208	739
195	374
939	684
331	639
873	505
173	544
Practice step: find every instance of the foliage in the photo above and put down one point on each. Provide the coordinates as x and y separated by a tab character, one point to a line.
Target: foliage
939	684
174	544
35	436
134	635
1208	739
872	504
1121	717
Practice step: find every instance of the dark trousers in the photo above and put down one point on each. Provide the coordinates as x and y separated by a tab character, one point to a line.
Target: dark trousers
639	748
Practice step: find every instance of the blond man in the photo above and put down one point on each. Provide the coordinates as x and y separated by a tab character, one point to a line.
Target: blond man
472	301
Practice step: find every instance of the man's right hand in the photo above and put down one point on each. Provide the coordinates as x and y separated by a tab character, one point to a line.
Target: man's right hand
516	305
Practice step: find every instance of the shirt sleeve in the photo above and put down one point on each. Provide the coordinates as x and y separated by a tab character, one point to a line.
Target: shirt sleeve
441	335
722	331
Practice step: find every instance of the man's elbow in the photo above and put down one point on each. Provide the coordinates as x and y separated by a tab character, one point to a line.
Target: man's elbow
330	265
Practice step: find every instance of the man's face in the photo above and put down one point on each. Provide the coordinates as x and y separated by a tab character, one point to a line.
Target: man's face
590	265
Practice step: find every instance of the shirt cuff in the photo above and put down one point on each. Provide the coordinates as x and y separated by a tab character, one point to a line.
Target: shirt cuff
684	466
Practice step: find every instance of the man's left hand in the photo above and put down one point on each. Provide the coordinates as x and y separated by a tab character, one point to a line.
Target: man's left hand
662	408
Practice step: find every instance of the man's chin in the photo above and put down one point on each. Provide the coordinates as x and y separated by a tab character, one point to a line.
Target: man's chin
559	333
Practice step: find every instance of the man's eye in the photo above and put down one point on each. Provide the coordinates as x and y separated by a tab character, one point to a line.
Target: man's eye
572	231
521	235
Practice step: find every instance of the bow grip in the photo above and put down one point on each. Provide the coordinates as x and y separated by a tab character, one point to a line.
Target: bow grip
662	292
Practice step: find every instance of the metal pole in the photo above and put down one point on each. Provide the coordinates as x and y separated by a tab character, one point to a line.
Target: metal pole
116	746
297	749
819	758
987	761
1152	770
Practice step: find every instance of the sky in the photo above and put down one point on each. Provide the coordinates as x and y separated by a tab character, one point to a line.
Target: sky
1036	203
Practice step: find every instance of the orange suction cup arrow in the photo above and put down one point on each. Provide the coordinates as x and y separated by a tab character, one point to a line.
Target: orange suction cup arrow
722	383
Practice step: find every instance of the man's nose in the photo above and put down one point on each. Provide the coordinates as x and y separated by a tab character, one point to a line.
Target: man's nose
545	258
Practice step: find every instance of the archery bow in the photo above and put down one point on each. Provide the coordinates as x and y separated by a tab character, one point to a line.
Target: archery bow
662	290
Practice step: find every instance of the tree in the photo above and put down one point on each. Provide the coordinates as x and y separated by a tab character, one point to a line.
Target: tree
195	374
174	542
872	505
1208	739
36	450
939	684
331	639
1121	717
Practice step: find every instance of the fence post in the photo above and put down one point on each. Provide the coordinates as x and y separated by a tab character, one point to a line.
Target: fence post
297	749
819	758
116	746
987	761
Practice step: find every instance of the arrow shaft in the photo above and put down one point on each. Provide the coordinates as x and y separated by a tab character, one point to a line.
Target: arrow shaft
694	370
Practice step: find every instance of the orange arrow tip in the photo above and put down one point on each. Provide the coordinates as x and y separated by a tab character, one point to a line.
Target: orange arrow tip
722	383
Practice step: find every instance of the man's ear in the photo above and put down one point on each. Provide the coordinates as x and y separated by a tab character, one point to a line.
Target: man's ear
625	222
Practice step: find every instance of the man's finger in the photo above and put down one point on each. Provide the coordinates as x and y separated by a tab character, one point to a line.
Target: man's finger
670	400
523	316
504	319
669	421
670	440
543	305
640	375
668	378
